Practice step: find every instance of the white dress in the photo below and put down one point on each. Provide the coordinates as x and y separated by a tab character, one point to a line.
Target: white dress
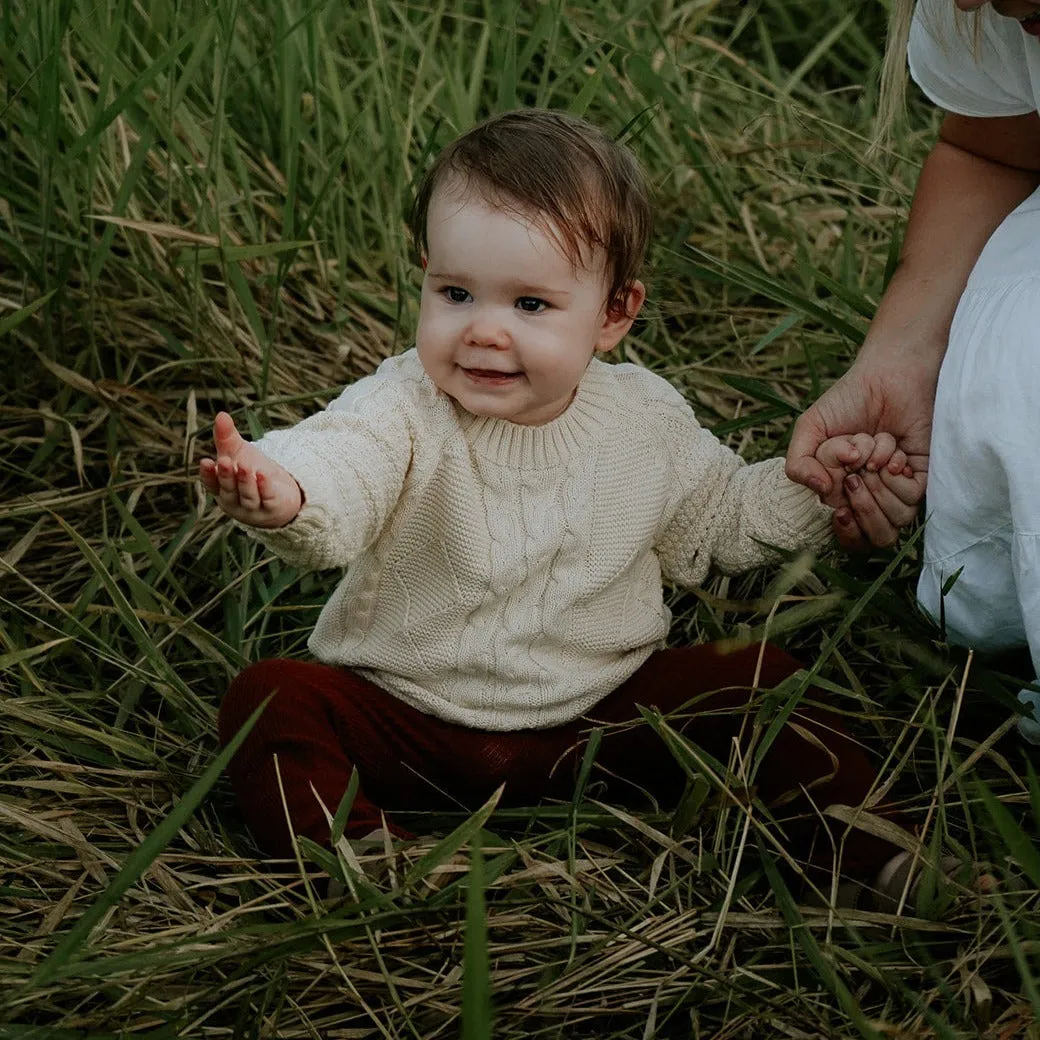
983	504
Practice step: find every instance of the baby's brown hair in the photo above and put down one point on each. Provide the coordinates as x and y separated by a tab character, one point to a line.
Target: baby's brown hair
579	186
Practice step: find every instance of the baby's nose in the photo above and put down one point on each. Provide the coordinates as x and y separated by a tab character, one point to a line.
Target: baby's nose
487	330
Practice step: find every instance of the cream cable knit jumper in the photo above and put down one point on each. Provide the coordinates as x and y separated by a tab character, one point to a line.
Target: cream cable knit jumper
508	577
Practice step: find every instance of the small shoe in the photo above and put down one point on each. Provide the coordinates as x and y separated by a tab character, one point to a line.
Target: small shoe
895	886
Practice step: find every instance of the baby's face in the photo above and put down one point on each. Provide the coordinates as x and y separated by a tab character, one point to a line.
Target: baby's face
507	325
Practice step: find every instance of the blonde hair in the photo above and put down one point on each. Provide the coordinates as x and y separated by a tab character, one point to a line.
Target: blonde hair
892	99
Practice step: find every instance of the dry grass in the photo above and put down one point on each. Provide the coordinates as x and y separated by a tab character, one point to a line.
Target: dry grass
208	200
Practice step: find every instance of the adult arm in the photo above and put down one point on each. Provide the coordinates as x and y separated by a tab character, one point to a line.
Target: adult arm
979	170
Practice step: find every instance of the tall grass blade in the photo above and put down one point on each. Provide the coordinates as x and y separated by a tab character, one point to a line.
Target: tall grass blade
12	321
448	846
141	858
476	971
132	91
1020	845
824	971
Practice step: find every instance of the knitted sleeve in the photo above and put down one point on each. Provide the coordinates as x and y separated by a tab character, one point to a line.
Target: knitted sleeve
351	461
728	514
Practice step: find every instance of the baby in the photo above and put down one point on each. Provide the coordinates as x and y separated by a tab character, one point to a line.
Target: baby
507	506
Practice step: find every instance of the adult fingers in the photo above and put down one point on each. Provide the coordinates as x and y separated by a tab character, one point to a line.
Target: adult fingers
801	465
872	521
878	511
848	533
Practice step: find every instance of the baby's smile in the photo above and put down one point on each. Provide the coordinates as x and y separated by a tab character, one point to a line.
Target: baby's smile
491	376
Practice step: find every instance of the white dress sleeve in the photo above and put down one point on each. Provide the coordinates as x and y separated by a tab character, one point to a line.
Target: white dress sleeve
972	65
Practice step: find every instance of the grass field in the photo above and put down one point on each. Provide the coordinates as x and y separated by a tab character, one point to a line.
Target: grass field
201	207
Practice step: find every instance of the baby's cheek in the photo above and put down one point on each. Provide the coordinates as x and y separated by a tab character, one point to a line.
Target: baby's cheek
427	339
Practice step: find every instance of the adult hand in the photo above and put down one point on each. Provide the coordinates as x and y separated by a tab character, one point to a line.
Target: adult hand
877	395
248	486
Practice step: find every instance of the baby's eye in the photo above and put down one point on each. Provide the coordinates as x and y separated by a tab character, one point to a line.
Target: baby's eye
455	294
531	304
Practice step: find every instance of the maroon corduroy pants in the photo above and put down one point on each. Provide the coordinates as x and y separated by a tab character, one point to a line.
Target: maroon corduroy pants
322	722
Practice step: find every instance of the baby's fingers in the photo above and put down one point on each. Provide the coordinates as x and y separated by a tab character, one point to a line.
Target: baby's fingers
897	464
248	487
227	481
270	495
226	437
227	494
884	447
208	476
250	495
850	450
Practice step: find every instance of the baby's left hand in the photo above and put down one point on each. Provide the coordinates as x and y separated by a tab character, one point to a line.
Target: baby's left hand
872	485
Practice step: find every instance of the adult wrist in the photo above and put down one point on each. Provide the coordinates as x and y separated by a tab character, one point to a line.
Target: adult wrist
910	346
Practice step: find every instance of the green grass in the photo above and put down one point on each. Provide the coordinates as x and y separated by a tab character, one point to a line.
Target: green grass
202	207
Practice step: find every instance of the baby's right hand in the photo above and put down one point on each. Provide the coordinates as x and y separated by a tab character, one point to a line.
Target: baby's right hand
247	485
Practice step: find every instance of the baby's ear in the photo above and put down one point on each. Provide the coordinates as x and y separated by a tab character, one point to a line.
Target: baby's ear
619	316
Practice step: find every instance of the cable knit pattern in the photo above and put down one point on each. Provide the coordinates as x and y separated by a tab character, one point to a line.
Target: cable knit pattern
508	577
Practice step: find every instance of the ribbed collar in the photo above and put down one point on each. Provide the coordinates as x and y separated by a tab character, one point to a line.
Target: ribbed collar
540	447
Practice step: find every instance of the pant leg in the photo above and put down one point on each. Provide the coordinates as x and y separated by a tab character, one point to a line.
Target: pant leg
829	763
320	722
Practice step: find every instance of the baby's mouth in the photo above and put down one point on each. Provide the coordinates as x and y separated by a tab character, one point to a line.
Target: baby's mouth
491	375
